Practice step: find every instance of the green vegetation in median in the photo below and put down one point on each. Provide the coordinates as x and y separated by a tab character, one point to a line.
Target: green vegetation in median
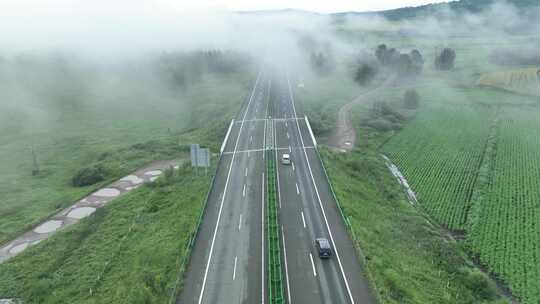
273	233
130	251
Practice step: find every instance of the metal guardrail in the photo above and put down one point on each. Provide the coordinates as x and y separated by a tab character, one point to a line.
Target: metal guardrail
351	231
275	275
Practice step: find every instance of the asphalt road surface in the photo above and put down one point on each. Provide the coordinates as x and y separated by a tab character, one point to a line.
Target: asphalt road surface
228	260
308	211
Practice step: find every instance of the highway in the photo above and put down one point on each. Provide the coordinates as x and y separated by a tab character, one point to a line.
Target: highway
228	260
308	211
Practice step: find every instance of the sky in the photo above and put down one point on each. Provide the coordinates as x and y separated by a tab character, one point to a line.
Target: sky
59	7
142	24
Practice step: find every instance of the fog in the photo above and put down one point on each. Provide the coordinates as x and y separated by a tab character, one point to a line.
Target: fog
50	52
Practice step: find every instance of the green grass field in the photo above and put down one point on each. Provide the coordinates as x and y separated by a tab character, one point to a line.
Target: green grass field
99	122
127	252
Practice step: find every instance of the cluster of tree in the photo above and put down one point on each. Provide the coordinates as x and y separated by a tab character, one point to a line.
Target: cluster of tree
186	67
404	64
384	116
321	62
445	60
365	73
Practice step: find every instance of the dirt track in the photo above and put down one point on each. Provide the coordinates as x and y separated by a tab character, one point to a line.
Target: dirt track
343	138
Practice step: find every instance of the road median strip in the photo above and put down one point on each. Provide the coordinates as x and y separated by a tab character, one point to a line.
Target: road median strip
273	232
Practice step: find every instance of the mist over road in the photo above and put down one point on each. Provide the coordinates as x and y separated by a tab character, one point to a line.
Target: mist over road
228	260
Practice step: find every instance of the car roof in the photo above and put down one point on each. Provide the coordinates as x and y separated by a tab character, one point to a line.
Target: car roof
286	155
323	243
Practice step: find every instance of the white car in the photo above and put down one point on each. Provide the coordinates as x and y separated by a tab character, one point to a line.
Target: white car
286	159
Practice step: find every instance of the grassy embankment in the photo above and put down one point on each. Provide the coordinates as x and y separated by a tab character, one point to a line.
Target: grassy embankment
127	252
131	250
117	122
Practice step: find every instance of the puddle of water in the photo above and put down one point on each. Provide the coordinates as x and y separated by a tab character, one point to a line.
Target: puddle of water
153	173
82	212
18	248
132	179
49	226
107	192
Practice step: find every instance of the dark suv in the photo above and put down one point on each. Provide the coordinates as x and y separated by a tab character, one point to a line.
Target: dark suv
323	247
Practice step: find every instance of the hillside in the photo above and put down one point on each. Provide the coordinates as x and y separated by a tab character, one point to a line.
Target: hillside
462	6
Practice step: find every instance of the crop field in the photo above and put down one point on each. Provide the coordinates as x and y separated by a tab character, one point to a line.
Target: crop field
441	160
521	80
505	232
472	157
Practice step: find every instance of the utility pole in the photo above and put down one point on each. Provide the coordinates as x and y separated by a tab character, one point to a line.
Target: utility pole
35	166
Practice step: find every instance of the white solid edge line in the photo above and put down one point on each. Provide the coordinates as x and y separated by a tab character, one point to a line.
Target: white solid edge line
319	198
310	131
263	252
225	192
234	270
313	265
303	219
286	268
277	171
226	137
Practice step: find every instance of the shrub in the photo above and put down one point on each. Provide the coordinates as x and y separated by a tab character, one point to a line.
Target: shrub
411	99
445	61
364	74
89	176
480	285
380	124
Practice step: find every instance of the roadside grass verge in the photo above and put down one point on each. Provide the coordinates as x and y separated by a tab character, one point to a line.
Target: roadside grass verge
127	252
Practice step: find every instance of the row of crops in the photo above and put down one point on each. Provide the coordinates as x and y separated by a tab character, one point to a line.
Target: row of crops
506	235
439	152
442	151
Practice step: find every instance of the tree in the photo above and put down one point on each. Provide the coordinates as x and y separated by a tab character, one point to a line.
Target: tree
321	62
380	53
411	99
404	65
445	61
417	61
364	74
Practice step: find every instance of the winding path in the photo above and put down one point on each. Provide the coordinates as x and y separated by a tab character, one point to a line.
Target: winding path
343	138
